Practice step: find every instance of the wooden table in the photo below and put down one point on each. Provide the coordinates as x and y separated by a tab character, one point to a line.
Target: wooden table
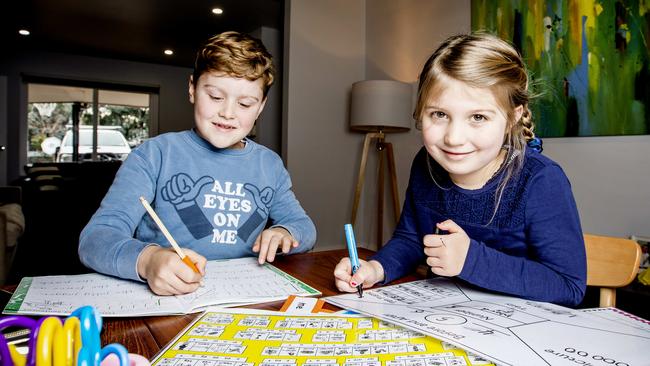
147	335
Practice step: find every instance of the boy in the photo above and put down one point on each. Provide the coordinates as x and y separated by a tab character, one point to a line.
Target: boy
212	187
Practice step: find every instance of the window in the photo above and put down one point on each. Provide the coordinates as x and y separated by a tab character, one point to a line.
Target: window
62	125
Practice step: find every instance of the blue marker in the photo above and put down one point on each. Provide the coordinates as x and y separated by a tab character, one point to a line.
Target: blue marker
352	250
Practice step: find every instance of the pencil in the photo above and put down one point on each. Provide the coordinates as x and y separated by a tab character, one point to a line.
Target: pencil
169	236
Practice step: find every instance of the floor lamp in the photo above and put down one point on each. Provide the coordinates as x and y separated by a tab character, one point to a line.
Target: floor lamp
379	107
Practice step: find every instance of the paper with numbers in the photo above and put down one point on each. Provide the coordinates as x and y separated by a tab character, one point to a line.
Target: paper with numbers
243	337
226	283
503	329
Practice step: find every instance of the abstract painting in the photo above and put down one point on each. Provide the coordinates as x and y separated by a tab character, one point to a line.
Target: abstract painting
588	60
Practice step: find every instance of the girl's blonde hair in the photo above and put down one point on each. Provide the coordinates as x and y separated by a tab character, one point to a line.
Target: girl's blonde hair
482	60
235	54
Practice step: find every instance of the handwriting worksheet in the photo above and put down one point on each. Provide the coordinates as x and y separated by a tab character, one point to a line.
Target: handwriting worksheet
226	283
503	329
243	337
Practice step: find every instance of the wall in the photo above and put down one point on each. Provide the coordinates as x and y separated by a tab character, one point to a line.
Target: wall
400	36
609	175
376	39
269	126
3	130
175	111
324	55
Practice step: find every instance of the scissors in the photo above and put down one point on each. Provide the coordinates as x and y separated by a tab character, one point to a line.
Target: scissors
76	342
91	352
53	342
8	352
57	344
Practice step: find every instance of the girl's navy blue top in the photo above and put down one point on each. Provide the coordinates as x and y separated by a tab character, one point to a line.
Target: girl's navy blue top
533	248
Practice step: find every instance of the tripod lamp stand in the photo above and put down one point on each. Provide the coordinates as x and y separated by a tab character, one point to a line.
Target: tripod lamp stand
379	107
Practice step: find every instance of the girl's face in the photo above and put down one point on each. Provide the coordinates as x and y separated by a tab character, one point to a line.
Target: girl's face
225	108
463	129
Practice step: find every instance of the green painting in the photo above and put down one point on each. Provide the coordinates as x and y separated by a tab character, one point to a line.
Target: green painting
589	61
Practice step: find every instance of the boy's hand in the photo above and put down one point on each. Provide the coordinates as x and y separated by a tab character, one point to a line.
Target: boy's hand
166	273
446	253
368	274
270	240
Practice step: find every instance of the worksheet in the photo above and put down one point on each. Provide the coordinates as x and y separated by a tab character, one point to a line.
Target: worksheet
242	337
503	329
619	318
226	283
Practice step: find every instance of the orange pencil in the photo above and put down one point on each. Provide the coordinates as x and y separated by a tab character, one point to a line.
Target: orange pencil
167	235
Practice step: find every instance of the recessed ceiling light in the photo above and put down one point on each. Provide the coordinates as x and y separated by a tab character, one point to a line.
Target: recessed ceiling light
217	11
23	32
168	52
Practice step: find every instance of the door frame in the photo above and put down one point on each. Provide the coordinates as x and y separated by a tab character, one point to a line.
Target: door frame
3	130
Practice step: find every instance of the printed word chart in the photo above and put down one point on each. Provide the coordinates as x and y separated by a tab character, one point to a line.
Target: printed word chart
243	337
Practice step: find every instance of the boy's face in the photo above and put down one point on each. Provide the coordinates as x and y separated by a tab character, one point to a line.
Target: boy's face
225	107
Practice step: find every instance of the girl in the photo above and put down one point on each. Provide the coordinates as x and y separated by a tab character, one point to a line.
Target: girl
482	203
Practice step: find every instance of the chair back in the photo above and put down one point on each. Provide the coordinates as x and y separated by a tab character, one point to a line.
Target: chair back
611	263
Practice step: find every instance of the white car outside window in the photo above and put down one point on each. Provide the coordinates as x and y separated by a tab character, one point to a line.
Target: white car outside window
111	145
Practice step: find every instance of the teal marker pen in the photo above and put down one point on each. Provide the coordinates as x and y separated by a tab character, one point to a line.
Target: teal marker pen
352	251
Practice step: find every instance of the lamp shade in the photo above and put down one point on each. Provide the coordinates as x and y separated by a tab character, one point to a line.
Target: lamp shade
384	105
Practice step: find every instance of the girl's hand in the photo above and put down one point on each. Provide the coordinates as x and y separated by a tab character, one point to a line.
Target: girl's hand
166	273
268	242
446	253
368	274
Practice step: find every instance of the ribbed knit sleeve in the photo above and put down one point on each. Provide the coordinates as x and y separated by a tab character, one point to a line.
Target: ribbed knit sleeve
554	269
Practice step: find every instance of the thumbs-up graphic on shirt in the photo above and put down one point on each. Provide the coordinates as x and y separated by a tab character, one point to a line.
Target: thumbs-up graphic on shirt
181	191
262	200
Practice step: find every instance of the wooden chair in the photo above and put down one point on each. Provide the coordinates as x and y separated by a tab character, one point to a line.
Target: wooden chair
611	263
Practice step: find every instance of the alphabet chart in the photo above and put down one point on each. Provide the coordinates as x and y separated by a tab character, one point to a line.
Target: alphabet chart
243	337
504	329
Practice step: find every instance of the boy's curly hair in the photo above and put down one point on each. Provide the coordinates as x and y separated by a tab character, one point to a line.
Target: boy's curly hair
235	54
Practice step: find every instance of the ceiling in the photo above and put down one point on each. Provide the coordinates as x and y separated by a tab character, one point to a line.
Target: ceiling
137	30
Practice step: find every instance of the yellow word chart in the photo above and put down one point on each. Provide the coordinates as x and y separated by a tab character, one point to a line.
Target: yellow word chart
243	337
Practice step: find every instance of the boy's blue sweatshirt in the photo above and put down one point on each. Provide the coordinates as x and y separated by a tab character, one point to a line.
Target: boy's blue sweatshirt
213	201
533	248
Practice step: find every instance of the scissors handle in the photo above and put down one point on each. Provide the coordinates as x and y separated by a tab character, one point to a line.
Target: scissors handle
90	323
119	351
13	321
